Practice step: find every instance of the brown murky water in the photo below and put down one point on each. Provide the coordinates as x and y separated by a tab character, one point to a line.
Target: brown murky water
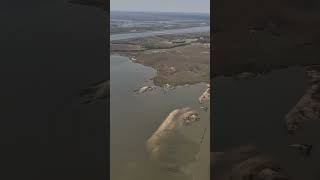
253	111
135	117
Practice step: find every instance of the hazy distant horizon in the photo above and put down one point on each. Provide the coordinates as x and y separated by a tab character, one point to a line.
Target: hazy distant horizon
182	12
163	6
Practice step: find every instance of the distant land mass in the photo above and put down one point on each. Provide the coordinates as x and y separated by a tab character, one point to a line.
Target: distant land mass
143	15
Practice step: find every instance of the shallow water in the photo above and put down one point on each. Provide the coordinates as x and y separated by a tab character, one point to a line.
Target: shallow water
135	117
253	111
154	33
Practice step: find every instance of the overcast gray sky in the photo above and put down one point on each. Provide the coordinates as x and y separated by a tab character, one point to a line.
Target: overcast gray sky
161	5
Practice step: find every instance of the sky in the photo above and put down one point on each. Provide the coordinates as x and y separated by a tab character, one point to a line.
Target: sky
161	5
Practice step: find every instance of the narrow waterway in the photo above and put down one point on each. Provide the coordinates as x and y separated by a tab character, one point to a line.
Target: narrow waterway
155	33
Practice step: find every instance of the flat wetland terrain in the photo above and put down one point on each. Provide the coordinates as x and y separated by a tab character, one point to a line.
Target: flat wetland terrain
181	59
124	22
152	77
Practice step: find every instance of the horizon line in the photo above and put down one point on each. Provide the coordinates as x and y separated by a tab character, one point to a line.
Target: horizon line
144	11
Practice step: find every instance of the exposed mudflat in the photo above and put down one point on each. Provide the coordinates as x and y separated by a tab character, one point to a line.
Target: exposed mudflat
261	109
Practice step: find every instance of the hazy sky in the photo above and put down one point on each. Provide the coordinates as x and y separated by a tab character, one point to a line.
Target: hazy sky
161	5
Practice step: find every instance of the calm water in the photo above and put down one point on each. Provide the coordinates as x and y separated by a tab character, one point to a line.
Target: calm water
253	111
154	33
135	117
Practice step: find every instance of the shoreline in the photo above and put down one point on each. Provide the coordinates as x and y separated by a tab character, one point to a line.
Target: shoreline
178	59
191	132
